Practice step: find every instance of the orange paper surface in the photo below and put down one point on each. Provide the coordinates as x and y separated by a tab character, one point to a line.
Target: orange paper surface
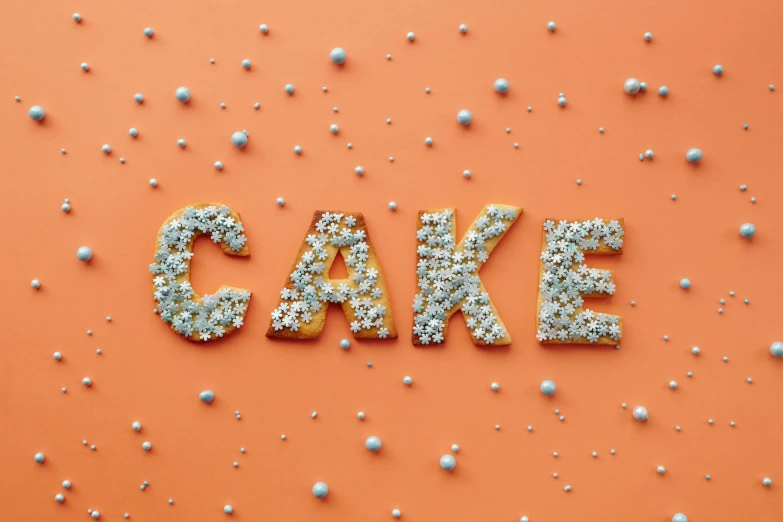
149	374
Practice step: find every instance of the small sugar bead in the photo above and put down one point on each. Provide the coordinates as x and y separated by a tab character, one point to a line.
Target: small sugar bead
776	349
427	90
345	344
640	413
388	57
391	159
133	132
663	91
153	182
579	182
239	139
601	130
85	66
98	351
246	64
148	32
463	28
359	170
320	490
631	86
649	154
396	513
448	462
37	113
333	128
745	126
66	484
747	230
280	201
567	489
39	457
642	86
673	385
106	148
428	141
235	464
674	197
711	422
464	117
501	85
314	415
707	477
392	205
695	350
661	470
717	70
171	501
612	452
87	381
228	509
595	454
494	386
466	173
561	101
685	283
76	17
373	443
84	253
138	97
360	415
725	359
766	482
676	428
136	426
548	387
282	437
350	145
551	26
732	424
35	284
181	143
89	332
182	94
411	36
338	55
256	106
624	405
407	380
222	105
289	88
689	374
207	396
297	149
146	445
263	28
122	160
647	37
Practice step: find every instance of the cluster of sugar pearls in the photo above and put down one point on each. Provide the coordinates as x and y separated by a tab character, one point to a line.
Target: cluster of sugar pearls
176	304
310	289
447	276
566	278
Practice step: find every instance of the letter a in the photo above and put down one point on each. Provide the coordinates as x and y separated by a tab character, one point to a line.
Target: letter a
301	313
448	275
565	280
198	318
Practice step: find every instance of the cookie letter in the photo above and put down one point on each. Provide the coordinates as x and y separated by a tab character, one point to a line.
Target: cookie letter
565	280
198	318
448	275
301	313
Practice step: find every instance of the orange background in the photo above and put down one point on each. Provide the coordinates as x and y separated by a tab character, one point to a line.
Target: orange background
148	373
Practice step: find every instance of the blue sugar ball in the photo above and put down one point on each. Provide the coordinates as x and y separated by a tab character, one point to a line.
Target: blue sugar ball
239	139
695	350
148	32
84	253
153	182
345	344
138	97
181	143
35	284
501	85
407	380
631	86
297	149
87	382
333	128
548	387
679	517
640	413
207	396
643	86
411	36
396	513
717	70
428	141
289	88
373	443
246	63
551	26
39	457
320	490
228	509
747	230
464	117
661	470
694	155
76	17
85	66
182	94
359	171
448	462
66	484
146	446
776	349
219	165
561	101
256	106
280	201
685	283
133	132
263	28
766	482
57	356
106	148
466	173
647	37
338	55
663	90
463	28
37	112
